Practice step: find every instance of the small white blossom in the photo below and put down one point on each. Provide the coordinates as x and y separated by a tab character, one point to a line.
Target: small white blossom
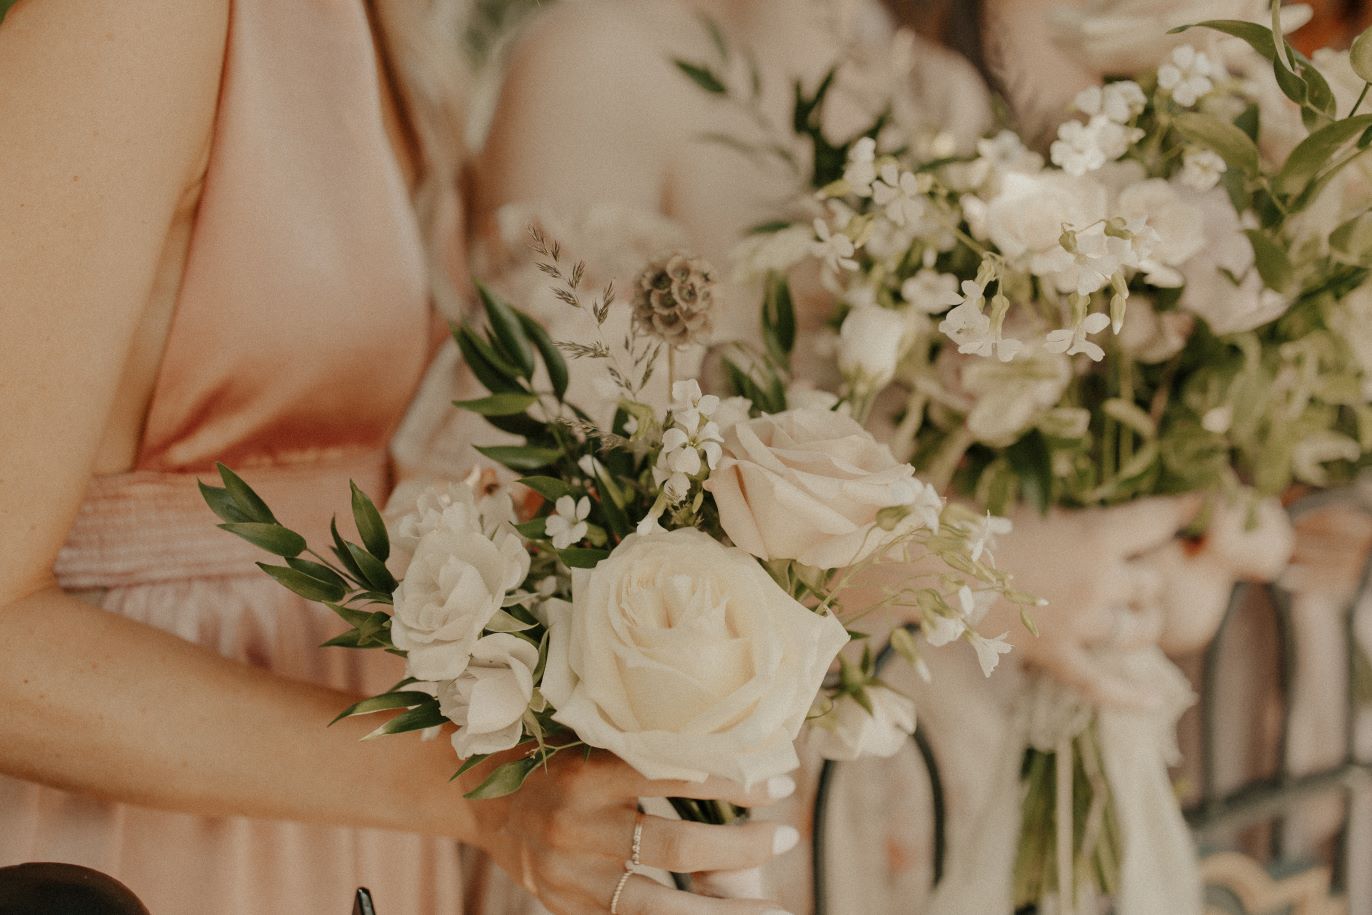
1201	169
988	650
1082	148
1187	75
1120	101
1090	264
985	533
966	325
900	194
1072	340
567	525
930	291
975	604
940	630
834	248
861	169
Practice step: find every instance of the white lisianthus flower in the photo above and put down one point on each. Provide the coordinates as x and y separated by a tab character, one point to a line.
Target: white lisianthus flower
1005	399
685	659
1201	169
871	343
848	731
1178	224
1223	287
931	292
1187	75
808	485
1151	336
457	580
567	525
488	701
1025	221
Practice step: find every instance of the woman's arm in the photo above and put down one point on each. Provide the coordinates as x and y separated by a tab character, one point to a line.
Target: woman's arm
107	110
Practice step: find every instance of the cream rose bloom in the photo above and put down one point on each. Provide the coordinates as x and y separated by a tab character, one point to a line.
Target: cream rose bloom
685	659
807	485
850	732
456	581
487	702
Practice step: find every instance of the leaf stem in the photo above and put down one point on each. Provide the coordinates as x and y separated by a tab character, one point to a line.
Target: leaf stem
1361	96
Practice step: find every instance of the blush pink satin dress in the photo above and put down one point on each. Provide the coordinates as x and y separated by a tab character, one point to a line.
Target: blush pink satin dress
301	331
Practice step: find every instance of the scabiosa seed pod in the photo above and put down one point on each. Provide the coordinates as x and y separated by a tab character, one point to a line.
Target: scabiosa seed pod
673	299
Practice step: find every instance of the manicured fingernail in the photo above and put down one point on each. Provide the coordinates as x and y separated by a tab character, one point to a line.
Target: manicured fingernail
780	787
784	839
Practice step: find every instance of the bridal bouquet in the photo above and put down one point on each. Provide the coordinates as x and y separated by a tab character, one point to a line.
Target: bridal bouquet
1174	300
667	585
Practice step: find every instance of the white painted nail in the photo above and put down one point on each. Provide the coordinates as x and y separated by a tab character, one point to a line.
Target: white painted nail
784	839
781	786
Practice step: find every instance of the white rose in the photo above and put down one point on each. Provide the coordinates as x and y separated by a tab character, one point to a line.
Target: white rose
455	583
807	485
871	344
685	659
1210	293
487	702
849	731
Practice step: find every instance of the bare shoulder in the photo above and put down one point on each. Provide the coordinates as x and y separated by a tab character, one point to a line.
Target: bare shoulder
631	42
108	58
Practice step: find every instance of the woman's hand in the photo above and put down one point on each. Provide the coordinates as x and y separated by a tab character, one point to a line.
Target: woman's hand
1086	565
568	833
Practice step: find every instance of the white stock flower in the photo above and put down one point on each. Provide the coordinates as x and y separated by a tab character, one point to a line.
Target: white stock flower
567	525
848	731
685	659
835	248
809	485
931	292
871	343
988	650
1072	340
1187	75
456	581
1201	169
487	703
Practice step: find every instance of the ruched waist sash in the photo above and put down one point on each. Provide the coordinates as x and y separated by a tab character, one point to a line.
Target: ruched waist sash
145	527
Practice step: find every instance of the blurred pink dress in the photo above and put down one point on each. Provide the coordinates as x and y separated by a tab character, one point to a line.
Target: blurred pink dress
301	331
